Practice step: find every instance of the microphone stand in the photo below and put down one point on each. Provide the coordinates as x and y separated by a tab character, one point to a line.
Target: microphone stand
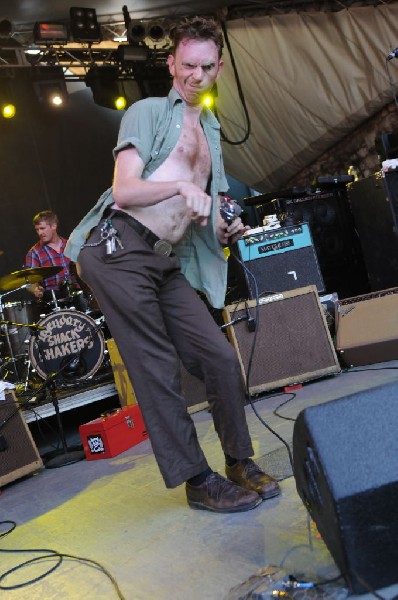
64	456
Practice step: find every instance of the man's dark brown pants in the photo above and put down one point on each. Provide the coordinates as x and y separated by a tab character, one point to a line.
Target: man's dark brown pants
157	319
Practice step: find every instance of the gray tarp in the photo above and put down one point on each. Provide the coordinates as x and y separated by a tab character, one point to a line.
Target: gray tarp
308	80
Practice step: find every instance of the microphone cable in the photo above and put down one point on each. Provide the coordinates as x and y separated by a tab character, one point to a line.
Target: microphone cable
251	357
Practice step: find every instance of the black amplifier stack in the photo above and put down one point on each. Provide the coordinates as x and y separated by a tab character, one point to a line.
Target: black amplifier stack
333	247
374	204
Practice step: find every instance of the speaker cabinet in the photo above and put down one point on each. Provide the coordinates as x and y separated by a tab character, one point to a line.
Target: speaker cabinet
346	470
279	260
18	453
335	238
374	202
291	342
367	328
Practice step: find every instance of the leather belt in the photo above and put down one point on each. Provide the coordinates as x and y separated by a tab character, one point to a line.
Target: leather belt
160	247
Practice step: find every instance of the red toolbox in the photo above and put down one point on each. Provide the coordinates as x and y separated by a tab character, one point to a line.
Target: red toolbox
113	433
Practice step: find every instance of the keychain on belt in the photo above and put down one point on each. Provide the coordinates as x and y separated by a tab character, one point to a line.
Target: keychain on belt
110	236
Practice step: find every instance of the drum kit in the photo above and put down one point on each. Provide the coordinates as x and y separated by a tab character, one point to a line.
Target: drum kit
63	338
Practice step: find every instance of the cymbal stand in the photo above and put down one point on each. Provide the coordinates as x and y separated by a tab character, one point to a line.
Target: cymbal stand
55	301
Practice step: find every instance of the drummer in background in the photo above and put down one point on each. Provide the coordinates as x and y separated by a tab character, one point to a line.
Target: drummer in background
49	252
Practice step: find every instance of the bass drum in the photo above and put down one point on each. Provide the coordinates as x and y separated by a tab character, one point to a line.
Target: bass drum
68	344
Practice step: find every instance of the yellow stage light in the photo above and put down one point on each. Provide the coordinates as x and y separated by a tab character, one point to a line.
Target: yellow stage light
209	98
120	103
8	111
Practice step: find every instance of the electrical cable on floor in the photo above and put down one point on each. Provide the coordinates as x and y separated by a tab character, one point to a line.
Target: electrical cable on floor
368	587
355	370
310	546
275	411
48	554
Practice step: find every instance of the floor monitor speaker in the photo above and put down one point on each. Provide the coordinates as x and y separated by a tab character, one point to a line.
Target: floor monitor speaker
367	328
346	474
18	453
285	339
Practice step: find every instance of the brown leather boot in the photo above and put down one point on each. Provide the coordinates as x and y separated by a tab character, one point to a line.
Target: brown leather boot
249	475
220	495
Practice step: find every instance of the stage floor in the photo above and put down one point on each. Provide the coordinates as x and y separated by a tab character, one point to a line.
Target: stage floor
118	513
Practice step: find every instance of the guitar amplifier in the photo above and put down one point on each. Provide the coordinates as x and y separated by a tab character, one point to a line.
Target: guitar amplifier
367	328
289	343
18	453
279	260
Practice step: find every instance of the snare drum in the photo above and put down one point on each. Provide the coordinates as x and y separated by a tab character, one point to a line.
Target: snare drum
20	312
69	343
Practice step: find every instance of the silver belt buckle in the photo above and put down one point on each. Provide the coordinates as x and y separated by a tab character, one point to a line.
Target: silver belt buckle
162	247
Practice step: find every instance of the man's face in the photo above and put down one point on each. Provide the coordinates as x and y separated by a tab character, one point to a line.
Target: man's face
46	232
194	68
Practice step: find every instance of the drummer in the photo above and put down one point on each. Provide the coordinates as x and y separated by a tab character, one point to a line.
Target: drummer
49	252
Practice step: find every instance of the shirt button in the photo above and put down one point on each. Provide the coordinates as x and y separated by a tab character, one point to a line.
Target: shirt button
178	126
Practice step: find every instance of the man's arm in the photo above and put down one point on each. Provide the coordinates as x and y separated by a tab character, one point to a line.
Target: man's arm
32	262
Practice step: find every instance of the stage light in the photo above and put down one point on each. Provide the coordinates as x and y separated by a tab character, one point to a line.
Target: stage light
6	29
128	54
209	98
8	110
136	32
33	50
156	32
50	33
49	85
56	99
107	90
152	79
7	94
120	103
84	25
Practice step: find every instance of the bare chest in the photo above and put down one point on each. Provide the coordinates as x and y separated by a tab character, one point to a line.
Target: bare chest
191	155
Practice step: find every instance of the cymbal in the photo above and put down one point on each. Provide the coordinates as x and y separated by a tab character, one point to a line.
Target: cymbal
30	276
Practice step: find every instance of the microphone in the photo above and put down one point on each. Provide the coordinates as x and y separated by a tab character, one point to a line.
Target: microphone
229	209
393	54
251	322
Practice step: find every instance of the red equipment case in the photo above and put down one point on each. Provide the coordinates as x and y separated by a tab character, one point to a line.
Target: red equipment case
113	433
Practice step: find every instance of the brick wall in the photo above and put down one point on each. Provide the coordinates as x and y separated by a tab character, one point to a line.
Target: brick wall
357	149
